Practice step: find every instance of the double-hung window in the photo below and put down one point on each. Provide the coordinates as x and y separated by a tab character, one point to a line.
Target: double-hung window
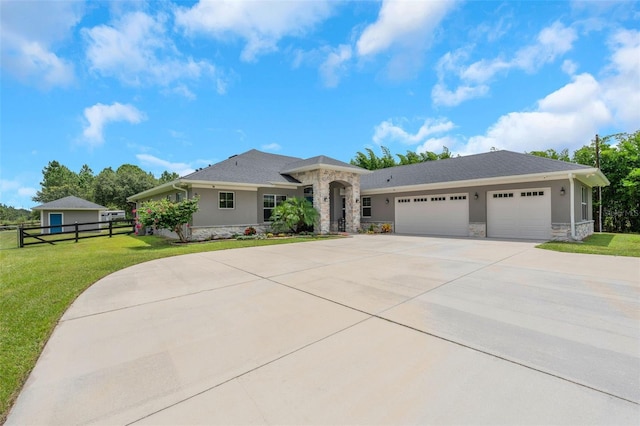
366	206
269	201
226	200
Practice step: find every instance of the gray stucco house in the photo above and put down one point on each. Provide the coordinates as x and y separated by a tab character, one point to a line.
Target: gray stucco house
68	211
499	194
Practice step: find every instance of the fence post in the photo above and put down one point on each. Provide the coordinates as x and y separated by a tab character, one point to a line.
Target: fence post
76	228
110	228
20	236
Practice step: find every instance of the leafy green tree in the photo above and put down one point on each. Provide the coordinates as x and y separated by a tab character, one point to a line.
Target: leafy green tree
57	182
553	154
131	180
163	214
620	162
370	161
105	188
85	180
167	177
293	215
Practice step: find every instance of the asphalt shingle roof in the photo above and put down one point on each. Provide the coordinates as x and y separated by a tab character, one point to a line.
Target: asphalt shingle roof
319	160
70	203
479	166
253	166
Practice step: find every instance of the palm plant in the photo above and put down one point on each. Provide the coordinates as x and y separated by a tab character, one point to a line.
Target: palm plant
293	215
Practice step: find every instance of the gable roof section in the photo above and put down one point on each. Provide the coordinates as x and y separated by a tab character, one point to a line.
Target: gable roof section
252	167
322	162
70	203
479	168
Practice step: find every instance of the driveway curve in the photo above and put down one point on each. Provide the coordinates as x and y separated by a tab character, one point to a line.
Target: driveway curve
381	329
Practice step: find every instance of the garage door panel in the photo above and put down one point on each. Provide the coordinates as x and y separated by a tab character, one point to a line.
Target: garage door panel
519	213
446	214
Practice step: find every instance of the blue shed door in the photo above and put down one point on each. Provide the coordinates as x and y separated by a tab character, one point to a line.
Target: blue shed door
55	219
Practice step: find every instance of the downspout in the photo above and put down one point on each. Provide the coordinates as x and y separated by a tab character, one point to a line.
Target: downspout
573	206
186	192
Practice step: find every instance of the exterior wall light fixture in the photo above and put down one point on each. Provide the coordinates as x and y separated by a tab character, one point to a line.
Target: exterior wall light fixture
562	191
475	196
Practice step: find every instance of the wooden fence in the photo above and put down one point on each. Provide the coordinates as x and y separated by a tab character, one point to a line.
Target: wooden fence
29	235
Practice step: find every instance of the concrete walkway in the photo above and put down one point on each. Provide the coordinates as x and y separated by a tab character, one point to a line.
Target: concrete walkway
377	329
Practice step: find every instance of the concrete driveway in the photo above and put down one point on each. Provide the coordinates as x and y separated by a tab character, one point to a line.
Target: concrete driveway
377	329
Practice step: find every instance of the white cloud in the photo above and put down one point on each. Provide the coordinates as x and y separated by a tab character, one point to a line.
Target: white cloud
334	66
271	147
405	29
569	67
622	86
136	50
473	79
261	24
29	31
436	144
443	96
99	115
181	169
404	24
388	131
566	118
573	114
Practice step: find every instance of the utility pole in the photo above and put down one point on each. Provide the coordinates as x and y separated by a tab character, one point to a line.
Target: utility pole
599	187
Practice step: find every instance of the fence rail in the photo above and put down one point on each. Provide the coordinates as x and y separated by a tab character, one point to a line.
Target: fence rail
73	232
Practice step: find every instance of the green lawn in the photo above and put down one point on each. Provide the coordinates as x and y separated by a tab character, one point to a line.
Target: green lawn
38	283
609	244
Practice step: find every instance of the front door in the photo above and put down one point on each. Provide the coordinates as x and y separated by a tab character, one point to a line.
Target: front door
55	219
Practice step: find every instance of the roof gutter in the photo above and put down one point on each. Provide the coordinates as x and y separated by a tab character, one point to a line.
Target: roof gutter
186	193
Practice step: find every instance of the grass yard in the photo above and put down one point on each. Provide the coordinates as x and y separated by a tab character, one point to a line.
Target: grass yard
608	244
38	283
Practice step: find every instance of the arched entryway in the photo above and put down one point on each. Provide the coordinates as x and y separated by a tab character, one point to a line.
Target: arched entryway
329	189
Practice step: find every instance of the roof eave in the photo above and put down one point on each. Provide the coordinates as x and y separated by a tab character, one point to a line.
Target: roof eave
533	177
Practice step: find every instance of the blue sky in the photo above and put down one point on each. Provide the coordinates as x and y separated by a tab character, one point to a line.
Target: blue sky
170	85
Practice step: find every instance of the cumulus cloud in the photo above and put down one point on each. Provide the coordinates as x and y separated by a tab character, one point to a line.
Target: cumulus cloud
403	28
388	131
570	116
403	24
551	43
29	32
260	24
136	50
99	115
621	86
181	169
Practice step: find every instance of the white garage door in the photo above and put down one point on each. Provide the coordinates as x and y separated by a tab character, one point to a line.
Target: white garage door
443	214
519	213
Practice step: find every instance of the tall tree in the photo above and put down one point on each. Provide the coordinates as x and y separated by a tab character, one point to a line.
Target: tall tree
105	188
57	182
130	180
620	162
553	154
168	177
371	161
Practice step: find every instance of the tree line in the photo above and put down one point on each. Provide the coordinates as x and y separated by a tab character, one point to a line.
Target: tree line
109	188
617	155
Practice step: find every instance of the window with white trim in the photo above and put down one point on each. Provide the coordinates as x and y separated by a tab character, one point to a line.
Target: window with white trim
366	206
269	201
584	203
226	200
